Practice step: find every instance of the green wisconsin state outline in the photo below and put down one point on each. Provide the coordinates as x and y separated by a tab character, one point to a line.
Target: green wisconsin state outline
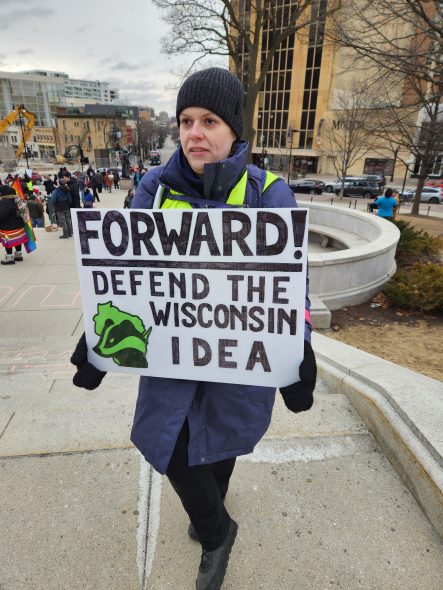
123	336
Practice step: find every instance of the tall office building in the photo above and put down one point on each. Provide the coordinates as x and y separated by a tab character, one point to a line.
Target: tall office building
42	91
300	97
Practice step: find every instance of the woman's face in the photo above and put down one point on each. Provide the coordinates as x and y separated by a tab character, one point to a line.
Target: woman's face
205	138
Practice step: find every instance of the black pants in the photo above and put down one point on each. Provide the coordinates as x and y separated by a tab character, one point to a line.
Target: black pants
95	194
17	249
201	489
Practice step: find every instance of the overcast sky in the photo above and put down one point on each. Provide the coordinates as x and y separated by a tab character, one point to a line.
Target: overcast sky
115	41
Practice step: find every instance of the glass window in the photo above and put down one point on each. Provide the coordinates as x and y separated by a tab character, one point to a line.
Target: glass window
311	119
286	101
273	101
310	58
316	78
313	104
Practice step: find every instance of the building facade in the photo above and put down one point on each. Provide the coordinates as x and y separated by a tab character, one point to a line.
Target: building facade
80	90
100	135
300	100
43	92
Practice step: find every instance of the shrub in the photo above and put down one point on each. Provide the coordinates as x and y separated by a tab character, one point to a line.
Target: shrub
415	245
419	287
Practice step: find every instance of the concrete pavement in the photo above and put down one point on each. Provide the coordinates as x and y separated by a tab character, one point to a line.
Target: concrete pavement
318	503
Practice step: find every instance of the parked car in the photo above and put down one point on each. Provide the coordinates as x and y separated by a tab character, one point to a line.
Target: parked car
377	178
438	182
429	194
154	158
331	187
310	187
360	188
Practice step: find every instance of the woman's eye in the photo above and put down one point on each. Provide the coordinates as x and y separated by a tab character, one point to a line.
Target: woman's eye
210	121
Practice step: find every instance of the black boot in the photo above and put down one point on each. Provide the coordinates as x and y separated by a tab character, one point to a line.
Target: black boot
214	563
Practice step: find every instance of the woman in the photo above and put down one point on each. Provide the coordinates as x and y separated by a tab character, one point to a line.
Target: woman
386	205
193	431
12	232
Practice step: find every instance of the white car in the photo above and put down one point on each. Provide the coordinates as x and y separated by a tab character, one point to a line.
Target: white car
429	194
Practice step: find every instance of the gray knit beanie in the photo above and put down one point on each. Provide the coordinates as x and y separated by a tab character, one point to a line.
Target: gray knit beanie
219	91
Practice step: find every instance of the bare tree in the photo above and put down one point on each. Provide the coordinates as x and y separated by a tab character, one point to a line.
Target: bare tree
401	41
146	134
234	29
349	136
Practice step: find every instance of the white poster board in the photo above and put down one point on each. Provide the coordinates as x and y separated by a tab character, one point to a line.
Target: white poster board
207	295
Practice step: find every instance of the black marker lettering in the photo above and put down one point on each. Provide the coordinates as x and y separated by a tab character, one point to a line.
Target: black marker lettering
263	219
145	236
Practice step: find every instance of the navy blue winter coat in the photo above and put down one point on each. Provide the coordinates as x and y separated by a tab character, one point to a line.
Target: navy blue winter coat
225	420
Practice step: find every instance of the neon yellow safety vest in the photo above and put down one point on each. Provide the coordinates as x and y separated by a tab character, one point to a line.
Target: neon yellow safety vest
236	196
30	186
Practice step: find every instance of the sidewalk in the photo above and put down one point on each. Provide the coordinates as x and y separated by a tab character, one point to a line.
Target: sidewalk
318	503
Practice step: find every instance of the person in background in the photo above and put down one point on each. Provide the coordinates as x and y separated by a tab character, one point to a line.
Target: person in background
61	199
137	177
109	180
12	231
72	184
128	199
81	181
35	211
396	196
96	185
116	179
386	205
88	199
49	185
193	431
29	184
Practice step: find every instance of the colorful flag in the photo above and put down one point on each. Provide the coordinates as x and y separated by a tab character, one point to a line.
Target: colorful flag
18	188
30	245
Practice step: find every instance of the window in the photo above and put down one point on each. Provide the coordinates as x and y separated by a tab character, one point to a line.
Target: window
312	75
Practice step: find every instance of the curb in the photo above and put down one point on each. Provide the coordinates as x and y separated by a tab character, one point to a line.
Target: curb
400	408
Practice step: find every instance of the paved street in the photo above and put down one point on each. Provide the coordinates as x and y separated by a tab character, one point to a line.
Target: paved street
318	504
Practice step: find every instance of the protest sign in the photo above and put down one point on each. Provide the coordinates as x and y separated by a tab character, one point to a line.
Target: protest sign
206	295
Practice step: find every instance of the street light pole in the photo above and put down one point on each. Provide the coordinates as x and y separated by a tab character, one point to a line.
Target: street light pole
290	153
395	161
291	130
404	179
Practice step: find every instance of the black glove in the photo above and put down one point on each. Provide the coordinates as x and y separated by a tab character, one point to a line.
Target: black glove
87	376
299	397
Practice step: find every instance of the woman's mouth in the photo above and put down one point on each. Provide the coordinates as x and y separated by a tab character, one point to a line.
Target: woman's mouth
197	150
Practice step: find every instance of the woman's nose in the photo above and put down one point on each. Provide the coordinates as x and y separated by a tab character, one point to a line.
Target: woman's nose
196	129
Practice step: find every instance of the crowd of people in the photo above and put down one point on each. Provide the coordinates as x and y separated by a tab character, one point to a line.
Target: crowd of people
47	205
